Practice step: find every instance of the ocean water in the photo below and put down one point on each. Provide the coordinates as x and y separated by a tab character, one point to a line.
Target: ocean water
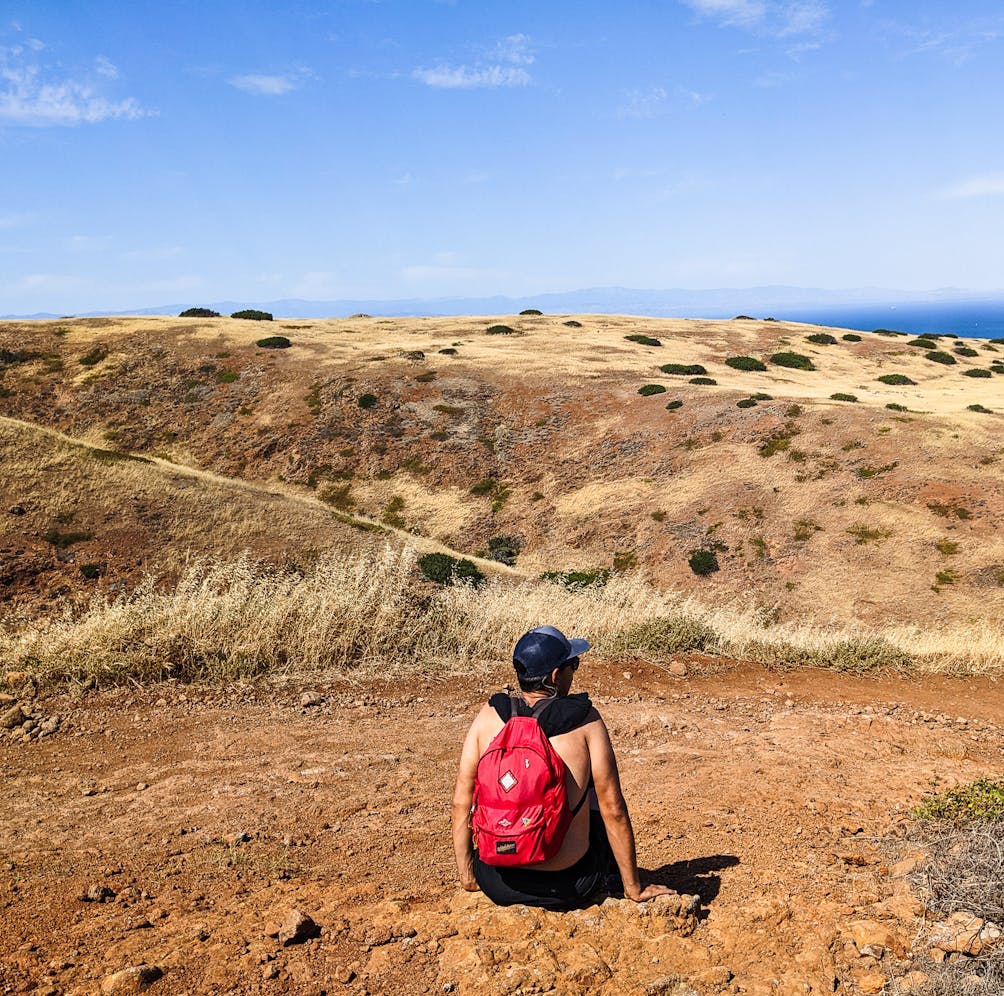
973	319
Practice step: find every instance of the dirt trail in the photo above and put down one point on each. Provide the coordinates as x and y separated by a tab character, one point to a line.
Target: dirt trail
211	813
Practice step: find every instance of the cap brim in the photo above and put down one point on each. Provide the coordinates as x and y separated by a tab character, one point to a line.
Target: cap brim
578	647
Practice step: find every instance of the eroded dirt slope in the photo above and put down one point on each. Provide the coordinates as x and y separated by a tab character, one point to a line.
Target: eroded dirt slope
207	815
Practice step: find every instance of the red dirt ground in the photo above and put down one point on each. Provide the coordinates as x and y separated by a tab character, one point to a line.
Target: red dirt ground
780	800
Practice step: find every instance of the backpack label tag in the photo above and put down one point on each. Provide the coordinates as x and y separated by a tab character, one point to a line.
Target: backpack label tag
505	847
508	781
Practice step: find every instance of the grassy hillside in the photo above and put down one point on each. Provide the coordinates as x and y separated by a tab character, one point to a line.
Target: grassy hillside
878	510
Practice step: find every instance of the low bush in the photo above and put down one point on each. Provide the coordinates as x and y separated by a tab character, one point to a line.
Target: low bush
597	576
966	351
939	356
821	339
448	351
778	442
426	378
274	342
573	324
92	571
946	511
760	396
851	337
707	381
226	376
62	541
647	390
643	340
703	562
979	408
746	403
485	486
893	407
367	400
504	549
392	513
673	405
840	396
199	313
946	577
865	534
745	363
922	343
794	361
444	569
895	380
659	638
744	318
499	330
93	357
531	311
683	369
867	473
805	528
253	315
947	547
888	332
974	802
976	372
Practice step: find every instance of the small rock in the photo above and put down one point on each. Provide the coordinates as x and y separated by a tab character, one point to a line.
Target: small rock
97	893
872	983
678	669
296	928
15	678
311	699
269	972
12	717
135	979
18	509
345	975
965	933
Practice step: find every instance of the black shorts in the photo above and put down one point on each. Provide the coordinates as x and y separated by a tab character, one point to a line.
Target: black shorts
567	889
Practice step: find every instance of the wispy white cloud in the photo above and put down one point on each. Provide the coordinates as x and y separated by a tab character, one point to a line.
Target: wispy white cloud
775	18
105	67
654	101
32	96
957	41
987	185
503	66
265	85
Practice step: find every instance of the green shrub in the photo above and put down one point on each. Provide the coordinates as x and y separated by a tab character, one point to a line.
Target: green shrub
947	547
708	381
647	390
199	313
274	342
703	562
744	318
367	400
673	405
499	330
760	396
252	315
93	357
865	534
62	540
892	406
643	340
573	324
683	369
93	571
226	376
922	343
840	396
866	473
821	339
794	361
449	351
746	403
851	337
597	576
805	528
531	311
975	802
659	638
778	441
745	363
896	380
946	577
947	511
939	356
979	408
504	549
444	569
889	332
485	487
426	378
966	351
625	560
976	372
392	513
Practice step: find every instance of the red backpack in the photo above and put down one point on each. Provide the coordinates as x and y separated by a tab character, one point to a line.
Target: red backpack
520	814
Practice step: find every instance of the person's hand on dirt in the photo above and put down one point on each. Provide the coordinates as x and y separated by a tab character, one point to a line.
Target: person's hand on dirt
649	892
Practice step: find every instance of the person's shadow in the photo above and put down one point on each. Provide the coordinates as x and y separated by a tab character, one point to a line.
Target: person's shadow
693	876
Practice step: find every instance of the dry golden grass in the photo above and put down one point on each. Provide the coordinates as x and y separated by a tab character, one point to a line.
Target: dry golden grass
364	612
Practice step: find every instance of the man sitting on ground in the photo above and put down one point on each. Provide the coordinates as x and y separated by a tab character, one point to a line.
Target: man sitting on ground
545	662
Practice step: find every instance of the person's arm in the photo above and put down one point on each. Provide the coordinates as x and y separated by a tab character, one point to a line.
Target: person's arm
463	796
614	811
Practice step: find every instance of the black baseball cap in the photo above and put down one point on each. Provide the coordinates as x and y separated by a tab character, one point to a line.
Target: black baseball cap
538	652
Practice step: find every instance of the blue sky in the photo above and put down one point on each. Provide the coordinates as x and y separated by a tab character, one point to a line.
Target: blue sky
190	152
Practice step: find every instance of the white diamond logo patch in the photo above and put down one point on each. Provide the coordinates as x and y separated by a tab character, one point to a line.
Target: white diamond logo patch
508	781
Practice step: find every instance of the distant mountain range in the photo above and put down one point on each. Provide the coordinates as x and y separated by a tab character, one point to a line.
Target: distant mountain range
671	303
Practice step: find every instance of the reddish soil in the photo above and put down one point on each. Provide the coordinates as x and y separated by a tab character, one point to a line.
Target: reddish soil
210	813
